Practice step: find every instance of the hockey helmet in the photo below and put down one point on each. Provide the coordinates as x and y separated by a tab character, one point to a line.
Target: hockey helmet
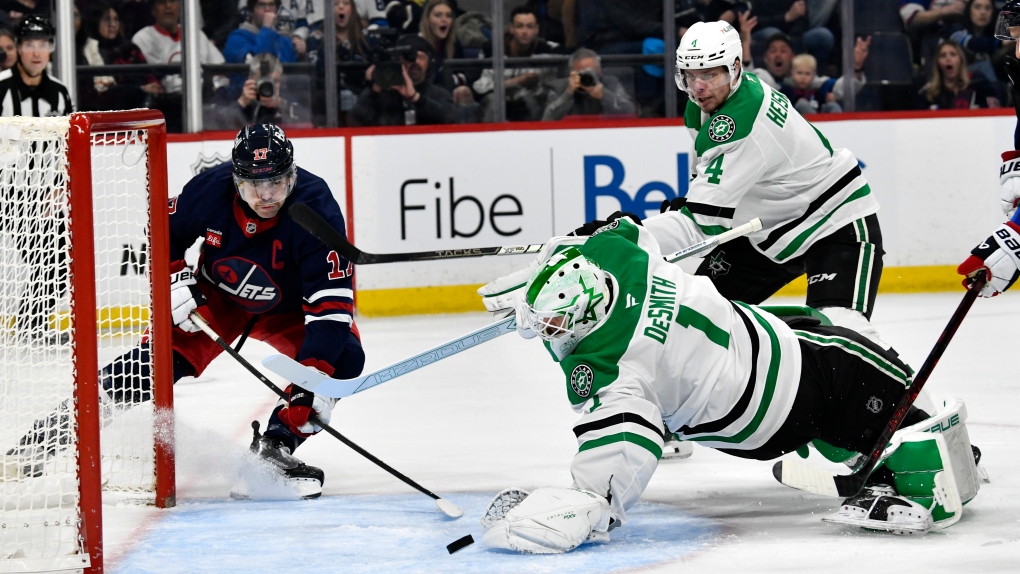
263	157
35	26
709	45
565	299
1009	17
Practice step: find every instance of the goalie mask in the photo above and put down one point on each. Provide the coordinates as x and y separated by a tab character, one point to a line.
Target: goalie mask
708	45
264	169
1009	17
565	300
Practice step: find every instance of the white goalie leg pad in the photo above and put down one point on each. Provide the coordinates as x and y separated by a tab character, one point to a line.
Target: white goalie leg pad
550	521
933	464
950	422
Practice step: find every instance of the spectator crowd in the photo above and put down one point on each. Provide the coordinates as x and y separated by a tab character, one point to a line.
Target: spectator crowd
406	62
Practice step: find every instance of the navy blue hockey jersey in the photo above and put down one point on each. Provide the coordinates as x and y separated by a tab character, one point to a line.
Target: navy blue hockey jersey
268	265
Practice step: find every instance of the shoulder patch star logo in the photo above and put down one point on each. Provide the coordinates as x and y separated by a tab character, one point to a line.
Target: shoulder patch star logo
721	128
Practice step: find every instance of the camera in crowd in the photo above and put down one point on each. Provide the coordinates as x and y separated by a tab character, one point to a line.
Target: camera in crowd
265	86
385	55
588	78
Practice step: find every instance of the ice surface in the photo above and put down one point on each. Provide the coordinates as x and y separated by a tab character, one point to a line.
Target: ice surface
497	416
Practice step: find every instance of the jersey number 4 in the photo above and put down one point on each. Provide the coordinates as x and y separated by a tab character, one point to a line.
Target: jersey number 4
714	170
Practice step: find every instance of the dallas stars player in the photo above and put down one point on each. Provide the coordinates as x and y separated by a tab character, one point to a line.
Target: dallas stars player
758	157
643	344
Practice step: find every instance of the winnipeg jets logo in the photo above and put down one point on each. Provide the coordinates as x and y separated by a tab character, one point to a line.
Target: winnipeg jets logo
717	265
721	128
247	283
581	380
874	405
261	153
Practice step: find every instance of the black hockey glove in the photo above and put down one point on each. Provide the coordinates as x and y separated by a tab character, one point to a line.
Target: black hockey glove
593	225
675	204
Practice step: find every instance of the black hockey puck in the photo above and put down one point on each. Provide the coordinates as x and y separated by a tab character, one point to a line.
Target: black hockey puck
460	544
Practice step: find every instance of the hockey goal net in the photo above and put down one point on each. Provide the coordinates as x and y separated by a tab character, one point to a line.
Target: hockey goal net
83	281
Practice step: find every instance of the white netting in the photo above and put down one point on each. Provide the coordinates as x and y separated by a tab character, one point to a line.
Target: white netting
39	518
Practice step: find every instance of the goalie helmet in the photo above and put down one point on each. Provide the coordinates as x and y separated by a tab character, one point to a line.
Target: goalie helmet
709	45
1009	17
35	26
566	298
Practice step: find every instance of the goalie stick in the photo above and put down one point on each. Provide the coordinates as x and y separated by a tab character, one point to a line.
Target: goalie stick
321	384
710	243
806	477
446	506
324	232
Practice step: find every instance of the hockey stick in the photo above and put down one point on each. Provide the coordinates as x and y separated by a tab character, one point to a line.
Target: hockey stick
326	386
709	244
446	506
323	385
324	232
806	477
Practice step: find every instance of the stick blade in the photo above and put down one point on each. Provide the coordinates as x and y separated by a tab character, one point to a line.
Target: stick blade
310	379
801	476
450	509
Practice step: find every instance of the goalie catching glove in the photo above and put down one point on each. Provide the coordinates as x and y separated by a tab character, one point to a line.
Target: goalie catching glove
999	256
547	521
184	296
506	292
299	406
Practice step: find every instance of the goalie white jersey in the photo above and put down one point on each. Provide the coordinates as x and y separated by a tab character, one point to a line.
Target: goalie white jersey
757	157
671	350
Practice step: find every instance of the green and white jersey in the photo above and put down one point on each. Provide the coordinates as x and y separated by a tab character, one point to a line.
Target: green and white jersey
758	157
671	350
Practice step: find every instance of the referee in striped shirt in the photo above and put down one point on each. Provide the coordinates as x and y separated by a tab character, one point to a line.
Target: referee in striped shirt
27	89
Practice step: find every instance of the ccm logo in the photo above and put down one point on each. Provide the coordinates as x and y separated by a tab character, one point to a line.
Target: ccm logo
821	277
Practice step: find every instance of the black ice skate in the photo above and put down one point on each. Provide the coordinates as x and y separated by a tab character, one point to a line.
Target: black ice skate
303	480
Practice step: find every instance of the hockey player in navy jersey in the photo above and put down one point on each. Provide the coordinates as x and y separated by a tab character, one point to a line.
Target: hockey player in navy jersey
257	269
999	255
257	264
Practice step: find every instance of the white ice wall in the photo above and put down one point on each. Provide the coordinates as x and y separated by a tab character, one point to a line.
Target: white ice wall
937	181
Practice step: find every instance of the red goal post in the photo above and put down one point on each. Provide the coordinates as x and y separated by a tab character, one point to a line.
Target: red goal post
89	228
